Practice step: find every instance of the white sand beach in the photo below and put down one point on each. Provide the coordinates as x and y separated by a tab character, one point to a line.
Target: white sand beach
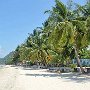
17	78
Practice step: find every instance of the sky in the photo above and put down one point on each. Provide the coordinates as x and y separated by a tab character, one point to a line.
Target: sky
20	17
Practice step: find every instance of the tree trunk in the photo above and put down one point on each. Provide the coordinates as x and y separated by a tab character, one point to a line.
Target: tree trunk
78	60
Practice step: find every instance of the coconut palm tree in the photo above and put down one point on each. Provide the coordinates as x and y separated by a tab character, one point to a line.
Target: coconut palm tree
68	32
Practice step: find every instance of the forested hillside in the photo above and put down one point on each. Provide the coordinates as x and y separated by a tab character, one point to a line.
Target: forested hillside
8	58
2	61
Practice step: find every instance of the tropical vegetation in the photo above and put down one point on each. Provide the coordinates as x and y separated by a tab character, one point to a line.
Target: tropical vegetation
65	35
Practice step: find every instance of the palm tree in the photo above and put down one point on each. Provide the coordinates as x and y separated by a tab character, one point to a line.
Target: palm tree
68	32
39	50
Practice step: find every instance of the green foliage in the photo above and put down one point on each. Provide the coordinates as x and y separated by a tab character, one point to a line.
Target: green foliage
84	53
8	58
60	9
88	29
72	66
55	41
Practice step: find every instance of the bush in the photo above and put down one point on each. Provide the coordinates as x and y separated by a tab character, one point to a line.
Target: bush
72	66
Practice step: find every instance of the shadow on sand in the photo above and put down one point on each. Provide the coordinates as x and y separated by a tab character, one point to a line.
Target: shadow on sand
78	78
30	69
44	75
75	77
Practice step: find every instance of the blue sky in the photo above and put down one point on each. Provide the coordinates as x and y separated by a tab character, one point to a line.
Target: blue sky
20	17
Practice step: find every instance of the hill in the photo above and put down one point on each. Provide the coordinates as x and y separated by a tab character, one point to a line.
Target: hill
8	58
2	61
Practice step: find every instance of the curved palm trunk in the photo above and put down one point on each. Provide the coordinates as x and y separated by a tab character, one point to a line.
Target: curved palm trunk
78	60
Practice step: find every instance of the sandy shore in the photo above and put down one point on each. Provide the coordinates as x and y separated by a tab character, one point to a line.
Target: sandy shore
17	78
